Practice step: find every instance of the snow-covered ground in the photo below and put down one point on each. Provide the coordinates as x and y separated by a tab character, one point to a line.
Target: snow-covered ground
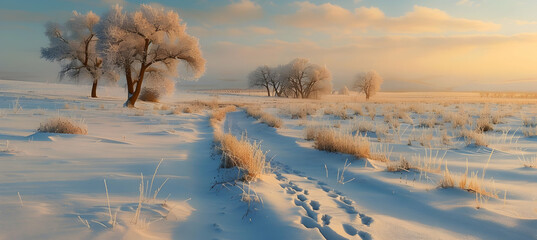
51	185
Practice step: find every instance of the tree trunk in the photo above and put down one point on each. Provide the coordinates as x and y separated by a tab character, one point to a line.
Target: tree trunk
128	77
134	96
268	90
94	89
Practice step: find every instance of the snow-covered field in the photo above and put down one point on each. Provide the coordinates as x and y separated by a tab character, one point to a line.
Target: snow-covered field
52	185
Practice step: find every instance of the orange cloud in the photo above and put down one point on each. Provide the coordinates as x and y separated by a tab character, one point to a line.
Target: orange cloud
421	20
244	10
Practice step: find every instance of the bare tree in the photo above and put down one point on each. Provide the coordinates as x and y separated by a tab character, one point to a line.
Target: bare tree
301	79
262	76
368	83
148	42
73	45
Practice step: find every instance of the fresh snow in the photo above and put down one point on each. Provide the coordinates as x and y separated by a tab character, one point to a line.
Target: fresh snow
59	177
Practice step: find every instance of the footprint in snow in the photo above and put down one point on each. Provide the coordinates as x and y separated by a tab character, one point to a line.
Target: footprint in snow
315	205
302	197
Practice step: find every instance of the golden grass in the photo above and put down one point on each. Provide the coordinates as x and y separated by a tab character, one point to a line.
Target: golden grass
217	116
326	139
264	117
338	112
472	184
245	155
63	125
484	124
476	138
240	153
300	111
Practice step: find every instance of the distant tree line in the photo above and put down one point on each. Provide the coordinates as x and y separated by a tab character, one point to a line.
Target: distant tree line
297	79
302	79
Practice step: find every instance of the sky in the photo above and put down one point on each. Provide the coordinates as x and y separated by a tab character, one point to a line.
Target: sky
415	45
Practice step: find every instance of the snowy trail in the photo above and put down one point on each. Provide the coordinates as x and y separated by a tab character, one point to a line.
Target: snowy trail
397	211
328	211
220	213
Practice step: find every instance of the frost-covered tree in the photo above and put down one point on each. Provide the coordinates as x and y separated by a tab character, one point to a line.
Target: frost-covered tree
148	44
73	45
302	79
368	83
264	77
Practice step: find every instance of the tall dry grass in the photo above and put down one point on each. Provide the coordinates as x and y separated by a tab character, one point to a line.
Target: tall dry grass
474	183
330	140
245	155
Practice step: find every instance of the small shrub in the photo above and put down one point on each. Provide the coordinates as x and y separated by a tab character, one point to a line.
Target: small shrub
63	125
483	124
150	95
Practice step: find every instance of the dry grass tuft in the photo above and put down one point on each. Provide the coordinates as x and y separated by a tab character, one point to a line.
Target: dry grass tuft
428	122
264	117
447	180
300	111
401	165
473	184
63	125
326	139
476	138
245	155
338	112
484	124
530	131
363	127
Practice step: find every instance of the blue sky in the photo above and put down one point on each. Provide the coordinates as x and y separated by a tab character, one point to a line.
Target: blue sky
414	44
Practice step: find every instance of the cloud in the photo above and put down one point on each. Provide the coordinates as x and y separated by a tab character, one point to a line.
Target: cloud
200	31
235	12
261	30
523	22
328	16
